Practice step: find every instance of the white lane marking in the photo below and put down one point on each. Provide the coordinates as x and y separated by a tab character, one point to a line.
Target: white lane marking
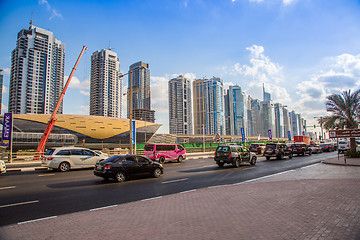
28	169
17	204
177	180
312	165
10	187
35	220
100	208
44	175
143	200
193	190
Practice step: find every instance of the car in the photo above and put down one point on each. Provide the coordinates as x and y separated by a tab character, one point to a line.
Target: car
258	148
66	158
120	167
2	167
277	150
343	146
301	149
165	152
327	147
316	148
233	154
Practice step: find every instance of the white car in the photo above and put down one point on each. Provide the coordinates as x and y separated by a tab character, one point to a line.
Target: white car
2	167
66	158
343	146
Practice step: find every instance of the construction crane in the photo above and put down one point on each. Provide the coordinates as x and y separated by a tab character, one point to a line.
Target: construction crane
51	123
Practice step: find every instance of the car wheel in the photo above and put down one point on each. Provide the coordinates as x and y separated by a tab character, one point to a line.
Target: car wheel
162	160
310	152
237	163
267	158
281	156
64	167
220	164
253	161
180	159
119	177
157	172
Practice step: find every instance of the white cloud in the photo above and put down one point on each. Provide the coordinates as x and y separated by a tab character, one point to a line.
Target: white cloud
6	71
86	93
75	83
53	11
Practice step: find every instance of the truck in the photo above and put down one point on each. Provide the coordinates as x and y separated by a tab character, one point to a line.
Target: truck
304	139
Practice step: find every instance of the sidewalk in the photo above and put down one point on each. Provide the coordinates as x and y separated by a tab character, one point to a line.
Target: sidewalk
343	161
320	201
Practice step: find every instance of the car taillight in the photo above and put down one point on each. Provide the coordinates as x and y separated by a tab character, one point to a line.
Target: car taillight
230	155
257	147
107	167
49	159
300	148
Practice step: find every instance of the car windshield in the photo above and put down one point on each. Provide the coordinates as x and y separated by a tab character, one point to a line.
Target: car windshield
272	146
149	148
222	149
49	152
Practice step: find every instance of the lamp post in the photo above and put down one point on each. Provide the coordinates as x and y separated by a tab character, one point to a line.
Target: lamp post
321	123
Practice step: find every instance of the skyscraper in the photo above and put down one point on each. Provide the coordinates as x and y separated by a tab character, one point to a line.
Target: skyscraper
37	72
141	103
180	117
105	84
209	106
236	103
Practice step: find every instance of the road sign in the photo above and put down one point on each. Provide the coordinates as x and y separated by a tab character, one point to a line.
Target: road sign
344	133
7	130
243	134
217	138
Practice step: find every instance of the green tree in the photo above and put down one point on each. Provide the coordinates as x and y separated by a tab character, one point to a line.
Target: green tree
345	113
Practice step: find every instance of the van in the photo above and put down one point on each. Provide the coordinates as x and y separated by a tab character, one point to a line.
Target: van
165	152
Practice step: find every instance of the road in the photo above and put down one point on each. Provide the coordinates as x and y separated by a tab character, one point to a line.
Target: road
26	196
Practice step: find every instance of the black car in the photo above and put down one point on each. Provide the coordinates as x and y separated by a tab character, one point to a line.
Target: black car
257	148
327	147
278	150
301	149
233	154
120	167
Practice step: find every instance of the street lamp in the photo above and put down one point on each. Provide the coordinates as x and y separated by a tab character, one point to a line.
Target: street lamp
321	123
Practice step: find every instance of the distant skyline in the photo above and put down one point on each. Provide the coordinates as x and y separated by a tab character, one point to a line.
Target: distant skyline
302	50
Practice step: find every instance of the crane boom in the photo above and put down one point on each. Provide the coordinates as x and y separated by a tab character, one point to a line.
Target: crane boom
51	123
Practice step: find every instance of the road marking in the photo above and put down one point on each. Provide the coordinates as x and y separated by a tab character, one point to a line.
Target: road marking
271	175
100	208
35	220
44	175
4	188
17	204
312	165
193	190
177	180
143	200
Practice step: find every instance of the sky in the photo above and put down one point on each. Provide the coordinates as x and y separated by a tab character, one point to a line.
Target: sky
301	50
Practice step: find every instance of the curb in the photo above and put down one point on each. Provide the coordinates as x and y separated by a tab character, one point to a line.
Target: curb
340	164
31	169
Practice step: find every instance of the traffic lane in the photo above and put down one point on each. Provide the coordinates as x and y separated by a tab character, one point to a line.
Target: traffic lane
85	194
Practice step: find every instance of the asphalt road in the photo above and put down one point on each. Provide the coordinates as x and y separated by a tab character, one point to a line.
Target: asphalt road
26	196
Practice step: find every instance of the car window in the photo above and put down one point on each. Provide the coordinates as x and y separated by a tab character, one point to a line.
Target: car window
222	149
113	159
142	159
273	146
49	152
245	150
76	152
63	153
130	160
180	147
149	148
234	149
89	153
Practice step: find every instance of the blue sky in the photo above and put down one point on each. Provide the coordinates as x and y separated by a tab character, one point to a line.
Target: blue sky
302	50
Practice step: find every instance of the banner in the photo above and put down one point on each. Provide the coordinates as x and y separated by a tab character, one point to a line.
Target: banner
270	135
7	130
289	135
133	133
243	134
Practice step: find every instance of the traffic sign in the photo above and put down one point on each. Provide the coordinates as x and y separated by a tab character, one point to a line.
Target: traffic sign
344	133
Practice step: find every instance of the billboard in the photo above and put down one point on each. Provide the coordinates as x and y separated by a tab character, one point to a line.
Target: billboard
7	130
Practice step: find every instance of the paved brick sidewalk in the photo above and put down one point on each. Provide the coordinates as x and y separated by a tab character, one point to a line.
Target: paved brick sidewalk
280	208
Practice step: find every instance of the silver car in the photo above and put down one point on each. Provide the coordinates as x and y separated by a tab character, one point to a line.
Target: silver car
66	158
2	167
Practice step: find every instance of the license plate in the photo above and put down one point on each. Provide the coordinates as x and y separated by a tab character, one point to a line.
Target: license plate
99	168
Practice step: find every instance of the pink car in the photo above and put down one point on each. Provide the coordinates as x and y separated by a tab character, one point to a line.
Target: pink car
165	152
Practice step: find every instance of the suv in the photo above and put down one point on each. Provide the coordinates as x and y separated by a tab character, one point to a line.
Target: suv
343	146
258	148
66	158
301	149
233	154
278	150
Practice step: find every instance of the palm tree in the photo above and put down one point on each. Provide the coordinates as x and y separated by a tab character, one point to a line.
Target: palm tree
345	110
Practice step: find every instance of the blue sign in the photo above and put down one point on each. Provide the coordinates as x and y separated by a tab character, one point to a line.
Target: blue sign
270	135
133	133
243	134
289	135
7	130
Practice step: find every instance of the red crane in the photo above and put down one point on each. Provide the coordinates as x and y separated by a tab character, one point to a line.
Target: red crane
51	123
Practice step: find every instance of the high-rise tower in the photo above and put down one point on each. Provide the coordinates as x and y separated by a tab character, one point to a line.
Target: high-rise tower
37	72
180	117
141	104
105	84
